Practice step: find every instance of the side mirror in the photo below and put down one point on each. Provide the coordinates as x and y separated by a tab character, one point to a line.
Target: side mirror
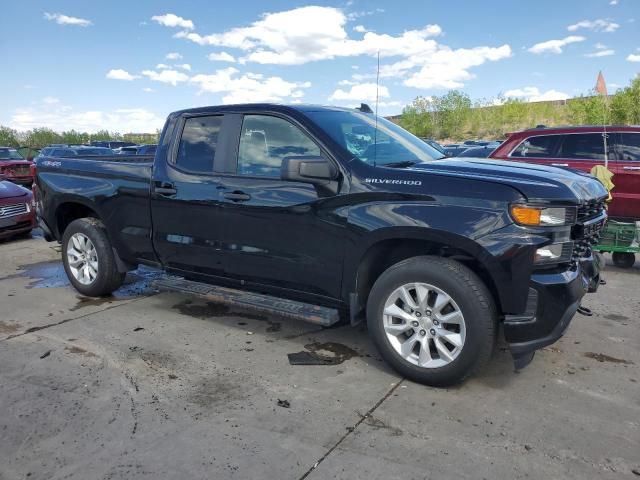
308	169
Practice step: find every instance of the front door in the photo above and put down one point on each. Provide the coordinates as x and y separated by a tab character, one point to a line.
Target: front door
627	176
279	233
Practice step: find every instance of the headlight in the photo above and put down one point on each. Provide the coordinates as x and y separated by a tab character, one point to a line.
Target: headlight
543	217
554	253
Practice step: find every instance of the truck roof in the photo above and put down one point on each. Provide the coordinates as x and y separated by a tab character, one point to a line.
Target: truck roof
278	107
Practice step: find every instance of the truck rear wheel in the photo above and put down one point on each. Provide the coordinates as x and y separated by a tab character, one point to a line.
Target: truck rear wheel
432	319
88	258
623	259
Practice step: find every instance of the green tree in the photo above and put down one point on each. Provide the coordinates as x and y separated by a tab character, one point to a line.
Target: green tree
8	137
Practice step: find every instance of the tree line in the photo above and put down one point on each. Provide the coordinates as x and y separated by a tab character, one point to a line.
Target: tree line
41	137
454	117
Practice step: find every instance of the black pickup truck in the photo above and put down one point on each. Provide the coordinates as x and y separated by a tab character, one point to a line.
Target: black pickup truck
339	209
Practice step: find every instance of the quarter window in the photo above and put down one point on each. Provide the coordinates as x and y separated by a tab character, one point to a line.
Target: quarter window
629	147
198	144
265	141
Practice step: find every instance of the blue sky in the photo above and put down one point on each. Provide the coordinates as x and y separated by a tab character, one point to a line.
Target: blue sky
125	65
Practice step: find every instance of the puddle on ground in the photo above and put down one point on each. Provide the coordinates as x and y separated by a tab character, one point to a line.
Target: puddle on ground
9	327
601	357
51	274
213	309
328	353
616	317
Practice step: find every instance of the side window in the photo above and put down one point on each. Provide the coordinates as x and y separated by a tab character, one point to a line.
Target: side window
265	141
197	149
542	146
629	147
585	146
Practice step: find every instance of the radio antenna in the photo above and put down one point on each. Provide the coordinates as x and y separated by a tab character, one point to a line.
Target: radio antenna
375	131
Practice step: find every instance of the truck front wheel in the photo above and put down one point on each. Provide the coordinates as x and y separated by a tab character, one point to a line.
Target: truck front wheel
88	258
432	319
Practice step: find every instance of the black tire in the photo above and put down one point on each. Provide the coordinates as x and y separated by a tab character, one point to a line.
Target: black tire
469	293
623	259
108	277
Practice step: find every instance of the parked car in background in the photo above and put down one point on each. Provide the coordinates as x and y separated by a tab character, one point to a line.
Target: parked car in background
126	150
17	211
479	152
14	167
112	144
454	149
74	151
582	148
147	149
434	144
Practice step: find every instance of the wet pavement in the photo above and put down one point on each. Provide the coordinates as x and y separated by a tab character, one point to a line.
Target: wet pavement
163	385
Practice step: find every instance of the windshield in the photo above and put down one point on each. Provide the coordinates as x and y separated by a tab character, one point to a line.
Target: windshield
390	144
10	154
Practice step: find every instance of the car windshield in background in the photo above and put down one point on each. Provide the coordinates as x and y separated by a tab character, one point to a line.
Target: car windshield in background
389	145
10	154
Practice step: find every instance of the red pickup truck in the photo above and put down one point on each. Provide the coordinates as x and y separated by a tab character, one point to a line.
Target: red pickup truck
14	167
582	148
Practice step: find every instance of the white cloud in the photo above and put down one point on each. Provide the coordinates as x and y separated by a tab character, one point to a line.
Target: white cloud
221	57
313	33
600	53
599	25
633	58
533	94
555	46
162	66
61	19
613	2
363	13
148	90
248	88
363	92
359	29
120	74
185	66
63	117
171	20
173	56
50	100
172	77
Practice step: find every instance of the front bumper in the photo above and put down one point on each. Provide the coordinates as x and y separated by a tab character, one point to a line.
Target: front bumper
12	226
554	298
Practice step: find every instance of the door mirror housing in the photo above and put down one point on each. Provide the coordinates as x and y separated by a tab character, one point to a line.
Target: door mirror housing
308	169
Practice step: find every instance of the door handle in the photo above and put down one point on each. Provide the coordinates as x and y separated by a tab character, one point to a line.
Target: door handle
165	189
631	168
237	196
559	164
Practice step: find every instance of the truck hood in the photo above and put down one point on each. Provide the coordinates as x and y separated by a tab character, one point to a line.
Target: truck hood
536	182
11	190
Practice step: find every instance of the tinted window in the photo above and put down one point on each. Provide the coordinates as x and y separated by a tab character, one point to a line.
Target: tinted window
265	141
9	154
198	144
588	146
629	147
542	146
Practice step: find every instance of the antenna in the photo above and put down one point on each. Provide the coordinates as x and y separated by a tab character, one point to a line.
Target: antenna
375	131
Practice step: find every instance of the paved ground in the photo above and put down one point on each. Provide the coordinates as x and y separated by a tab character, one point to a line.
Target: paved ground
147	385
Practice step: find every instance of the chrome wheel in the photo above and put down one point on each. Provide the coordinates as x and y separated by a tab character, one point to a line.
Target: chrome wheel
82	259
424	325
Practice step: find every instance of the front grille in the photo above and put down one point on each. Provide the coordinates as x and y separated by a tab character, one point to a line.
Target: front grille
20	171
7	211
584	234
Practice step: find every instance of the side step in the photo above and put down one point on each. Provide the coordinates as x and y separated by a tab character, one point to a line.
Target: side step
306	312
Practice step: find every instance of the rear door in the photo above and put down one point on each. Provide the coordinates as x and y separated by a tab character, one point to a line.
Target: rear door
627	176
279	235
185	195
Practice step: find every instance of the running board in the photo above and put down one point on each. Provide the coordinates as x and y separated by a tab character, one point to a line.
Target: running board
292	309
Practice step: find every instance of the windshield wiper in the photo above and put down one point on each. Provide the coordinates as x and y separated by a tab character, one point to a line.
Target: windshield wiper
404	164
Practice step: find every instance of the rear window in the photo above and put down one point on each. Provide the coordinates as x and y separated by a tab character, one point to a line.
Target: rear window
198	144
542	146
10	154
